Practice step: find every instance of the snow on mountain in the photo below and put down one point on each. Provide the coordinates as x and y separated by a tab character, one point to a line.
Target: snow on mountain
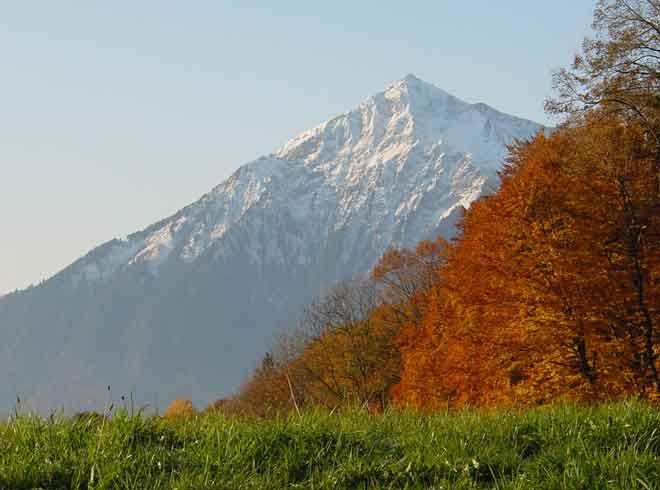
400	164
187	306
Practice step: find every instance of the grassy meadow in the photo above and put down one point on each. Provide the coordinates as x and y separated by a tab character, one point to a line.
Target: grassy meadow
612	446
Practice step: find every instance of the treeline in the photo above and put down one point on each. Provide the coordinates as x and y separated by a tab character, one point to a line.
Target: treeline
550	291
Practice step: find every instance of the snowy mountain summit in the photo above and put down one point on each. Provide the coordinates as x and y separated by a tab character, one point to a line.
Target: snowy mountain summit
393	171
187	306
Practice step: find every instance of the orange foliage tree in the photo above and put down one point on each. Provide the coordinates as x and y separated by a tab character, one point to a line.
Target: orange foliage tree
352	355
552	289
180	409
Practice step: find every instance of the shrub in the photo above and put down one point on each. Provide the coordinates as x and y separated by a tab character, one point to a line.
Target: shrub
180	409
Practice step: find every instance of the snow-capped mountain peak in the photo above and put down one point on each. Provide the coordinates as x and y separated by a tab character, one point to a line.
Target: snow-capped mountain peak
393	169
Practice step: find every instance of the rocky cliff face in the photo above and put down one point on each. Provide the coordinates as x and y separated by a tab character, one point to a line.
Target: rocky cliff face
187	306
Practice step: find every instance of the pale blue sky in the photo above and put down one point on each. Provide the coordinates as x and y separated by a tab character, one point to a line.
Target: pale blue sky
116	114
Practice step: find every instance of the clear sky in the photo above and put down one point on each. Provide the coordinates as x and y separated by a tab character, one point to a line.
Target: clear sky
116	114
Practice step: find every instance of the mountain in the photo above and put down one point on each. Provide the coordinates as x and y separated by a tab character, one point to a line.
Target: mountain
186	307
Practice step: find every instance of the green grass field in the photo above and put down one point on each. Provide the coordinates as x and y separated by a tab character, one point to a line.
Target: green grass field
611	446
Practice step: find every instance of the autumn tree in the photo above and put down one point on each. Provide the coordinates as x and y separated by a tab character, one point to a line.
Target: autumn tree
180	409
348	356
352	354
618	73
619	69
404	276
